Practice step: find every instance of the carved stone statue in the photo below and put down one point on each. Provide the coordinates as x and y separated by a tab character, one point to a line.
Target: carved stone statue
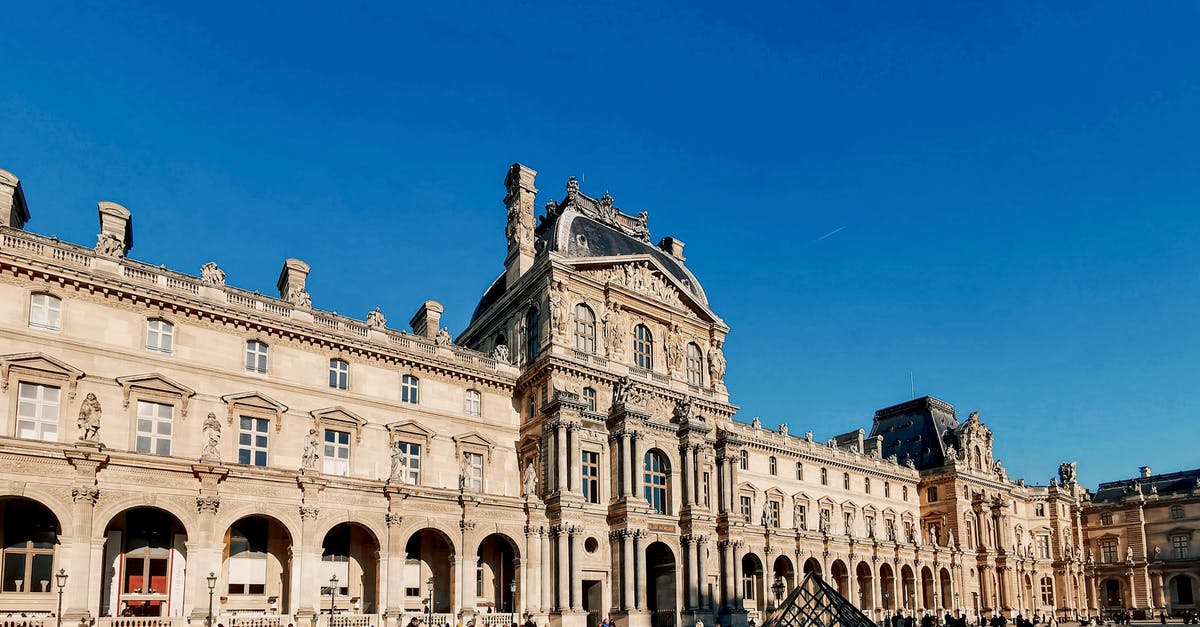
716	363
530	478
299	297
1129	554
311	454
675	348
397	465
443	337
464	467
615	325
376	319
1157	552
1066	472
625	392
89	418
500	353
109	245
559	319
823	522
683	410
212	438
211	274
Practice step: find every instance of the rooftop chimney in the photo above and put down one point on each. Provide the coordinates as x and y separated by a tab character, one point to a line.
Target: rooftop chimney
13	210
519	197
116	230
672	247
1145	471
425	321
291	283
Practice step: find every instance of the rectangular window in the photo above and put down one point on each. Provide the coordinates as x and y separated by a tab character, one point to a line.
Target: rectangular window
1176	512
1181	547
252	441
1039	509
799	471
1043	547
45	311
256	357
589	397
931	494
867	485
904	493
474	478
410	389
845	481
801	521
408	462
1108	551
37	412
160	336
1047	591
154	428
704	486
773	513
336	460
887	490
471	403
889	526
590	470
745	507
848	523
339	374
869	523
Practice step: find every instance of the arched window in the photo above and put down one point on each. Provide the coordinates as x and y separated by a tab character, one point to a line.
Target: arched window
256	356
643	347
160	335
45	311
30	535
745	460
339	374
977	459
824	477
410	389
845	481
867	485
799	471
585	329
887	490
655	475
531	334
695	364
771	463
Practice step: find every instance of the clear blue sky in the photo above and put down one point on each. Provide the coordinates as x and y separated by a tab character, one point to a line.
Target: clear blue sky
1014	186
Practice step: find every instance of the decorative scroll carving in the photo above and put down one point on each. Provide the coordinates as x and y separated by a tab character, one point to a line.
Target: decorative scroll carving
308	512
393	520
89	418
207	504
89	494
211	274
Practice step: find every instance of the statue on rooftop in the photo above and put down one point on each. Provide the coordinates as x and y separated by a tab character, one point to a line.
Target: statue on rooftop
109	245
376	319
211	274
443	337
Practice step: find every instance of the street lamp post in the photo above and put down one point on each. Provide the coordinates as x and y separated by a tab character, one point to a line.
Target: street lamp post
60	579
333	581
957	605
512	594
429	605
212	586
777	589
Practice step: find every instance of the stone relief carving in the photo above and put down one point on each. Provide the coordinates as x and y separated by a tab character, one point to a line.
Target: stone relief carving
558	297
207	503
1066	472
89	418
299	297
716	363
616	325
212	438
500	353
674	348
625	392
683	410
443	337
641	278
90	494
211	274
376	319
397	470
606	212
311	454
109	245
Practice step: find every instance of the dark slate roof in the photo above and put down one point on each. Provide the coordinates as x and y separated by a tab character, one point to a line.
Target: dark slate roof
917	430
1175	483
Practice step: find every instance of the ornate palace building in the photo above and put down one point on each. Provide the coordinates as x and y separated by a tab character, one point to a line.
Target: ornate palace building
177	448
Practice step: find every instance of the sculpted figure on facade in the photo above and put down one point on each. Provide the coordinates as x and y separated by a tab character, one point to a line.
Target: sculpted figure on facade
616	322
683	410
299	297
89	418
376	319
212	438
626	393
211	274
798	516
559	321
1066	472
529	481
397	470
311	454
443	337
109	245
716	363
675	348
500	353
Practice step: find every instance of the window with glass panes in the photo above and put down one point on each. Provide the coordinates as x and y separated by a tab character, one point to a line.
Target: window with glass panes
824	477
45	311
37	412
654	475
704	494
590	475
1181	547
643	347
154	426
745	460
474	478
889	526
745	505
1043	547
336	460
160	335
799	471
1176	512
339	374
1047	591
408	460
471	403
30	534
773	508
410	389
531	334
772	465
1108	551
801	513
1106	518
248	540
867	485
845	481
256	356
589	397
695	365
585	329
887	490
252	441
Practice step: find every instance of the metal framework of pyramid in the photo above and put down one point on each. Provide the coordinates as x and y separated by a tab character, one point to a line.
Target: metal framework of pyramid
815	603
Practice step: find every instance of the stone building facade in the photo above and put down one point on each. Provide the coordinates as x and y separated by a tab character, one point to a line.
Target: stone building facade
572	453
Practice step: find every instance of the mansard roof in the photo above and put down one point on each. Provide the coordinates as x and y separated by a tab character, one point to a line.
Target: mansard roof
917	430
1181	483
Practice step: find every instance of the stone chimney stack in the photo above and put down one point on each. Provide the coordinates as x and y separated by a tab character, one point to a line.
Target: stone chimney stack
291	283
13	210
1145	471
425	322
672	247
116	230
519	228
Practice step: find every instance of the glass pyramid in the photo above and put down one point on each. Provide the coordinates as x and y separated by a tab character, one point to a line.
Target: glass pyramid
815	603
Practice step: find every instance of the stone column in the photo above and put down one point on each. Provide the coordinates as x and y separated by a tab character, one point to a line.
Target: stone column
693	572
639	570
627	571
546	601
852	585
876	600
530	571
394	601
685	475
684	574
574	479
635	477
560	451
562	563
697	473
702	573
305	568
726	548
622	463
576	569
737	577
76	557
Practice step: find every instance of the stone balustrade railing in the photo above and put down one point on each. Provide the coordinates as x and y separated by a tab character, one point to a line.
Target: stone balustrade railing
71	255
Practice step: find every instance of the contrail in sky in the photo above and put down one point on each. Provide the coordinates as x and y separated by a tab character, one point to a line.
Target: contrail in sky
831	233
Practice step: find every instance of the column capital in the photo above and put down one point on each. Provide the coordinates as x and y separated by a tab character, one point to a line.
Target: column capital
393	520
208	503
89	494
308	512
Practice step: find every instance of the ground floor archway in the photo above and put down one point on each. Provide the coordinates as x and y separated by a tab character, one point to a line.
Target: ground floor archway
783	573
496	574
753	590
661	591
145	558
864	580
1181	593
426	566
887	587
256	568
